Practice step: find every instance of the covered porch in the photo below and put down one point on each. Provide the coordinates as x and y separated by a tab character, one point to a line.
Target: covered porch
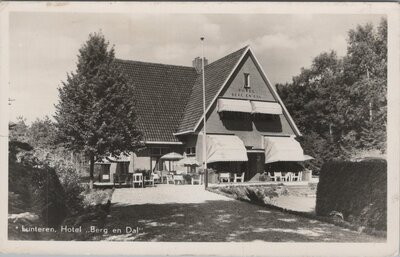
281	161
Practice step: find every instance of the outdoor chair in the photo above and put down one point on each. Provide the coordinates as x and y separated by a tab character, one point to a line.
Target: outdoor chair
179	179
138	179
277	176
238	178
297	176
157	177
170	178
196	179
224	177
149	179
287	176
164	176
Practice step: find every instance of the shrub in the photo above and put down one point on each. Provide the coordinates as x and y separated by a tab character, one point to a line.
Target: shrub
255	194
39	191
71	182
67	174
96	197
358	190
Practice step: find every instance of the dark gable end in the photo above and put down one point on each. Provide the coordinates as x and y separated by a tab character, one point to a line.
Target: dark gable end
161	93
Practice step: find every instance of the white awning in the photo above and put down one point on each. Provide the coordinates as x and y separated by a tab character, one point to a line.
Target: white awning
283	149
225	148
231	105
266	107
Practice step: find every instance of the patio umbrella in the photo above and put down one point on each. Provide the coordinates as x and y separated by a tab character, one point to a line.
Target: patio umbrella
171	157
189	161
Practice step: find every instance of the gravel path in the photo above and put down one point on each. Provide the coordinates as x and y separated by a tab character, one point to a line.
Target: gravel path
187	213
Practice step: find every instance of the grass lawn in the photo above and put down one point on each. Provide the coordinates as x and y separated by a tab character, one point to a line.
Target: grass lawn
218	220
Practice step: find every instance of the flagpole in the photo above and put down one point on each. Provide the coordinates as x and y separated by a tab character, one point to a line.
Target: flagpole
204	118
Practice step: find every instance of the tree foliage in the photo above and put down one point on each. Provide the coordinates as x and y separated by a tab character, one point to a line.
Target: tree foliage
96	110
42	133
339	103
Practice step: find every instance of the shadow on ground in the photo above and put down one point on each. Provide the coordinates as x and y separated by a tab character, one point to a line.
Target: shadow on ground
220	221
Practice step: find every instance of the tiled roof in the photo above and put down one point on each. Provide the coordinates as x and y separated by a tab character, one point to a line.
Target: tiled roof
215	75
161	95
169	97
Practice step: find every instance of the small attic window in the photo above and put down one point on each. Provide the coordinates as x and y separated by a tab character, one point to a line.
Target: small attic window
246	80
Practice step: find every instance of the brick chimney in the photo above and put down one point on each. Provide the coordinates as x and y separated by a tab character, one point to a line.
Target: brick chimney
197	63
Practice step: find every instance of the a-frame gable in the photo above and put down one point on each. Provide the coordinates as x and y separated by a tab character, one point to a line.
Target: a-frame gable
264	97
247	83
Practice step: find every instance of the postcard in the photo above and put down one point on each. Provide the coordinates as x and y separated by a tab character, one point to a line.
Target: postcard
200	128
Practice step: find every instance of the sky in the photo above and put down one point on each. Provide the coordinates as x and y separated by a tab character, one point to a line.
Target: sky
44	46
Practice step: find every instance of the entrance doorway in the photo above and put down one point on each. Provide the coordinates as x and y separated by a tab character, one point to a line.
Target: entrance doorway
254	165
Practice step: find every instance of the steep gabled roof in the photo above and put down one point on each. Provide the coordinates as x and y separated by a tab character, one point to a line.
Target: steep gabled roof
216	74
161	93
169	98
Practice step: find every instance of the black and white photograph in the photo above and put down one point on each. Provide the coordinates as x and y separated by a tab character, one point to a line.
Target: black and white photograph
200	123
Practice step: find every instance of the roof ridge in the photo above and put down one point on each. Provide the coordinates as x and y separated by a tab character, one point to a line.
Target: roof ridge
153	63
228	55
182	66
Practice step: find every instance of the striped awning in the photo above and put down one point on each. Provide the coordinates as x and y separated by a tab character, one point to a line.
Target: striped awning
225	148
283	149
266	107
232	105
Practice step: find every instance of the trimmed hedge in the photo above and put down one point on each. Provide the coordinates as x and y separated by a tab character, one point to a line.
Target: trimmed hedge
358	190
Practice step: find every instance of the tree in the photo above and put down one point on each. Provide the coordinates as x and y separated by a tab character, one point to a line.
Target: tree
19	130
96	110
42	133
340	103
365	72
18	138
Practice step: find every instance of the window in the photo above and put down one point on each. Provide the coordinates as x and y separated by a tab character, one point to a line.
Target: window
246	80
157	151
190	151
265	117
234	115
165	151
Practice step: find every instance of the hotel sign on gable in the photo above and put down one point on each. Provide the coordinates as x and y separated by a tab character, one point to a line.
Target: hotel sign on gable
246	93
